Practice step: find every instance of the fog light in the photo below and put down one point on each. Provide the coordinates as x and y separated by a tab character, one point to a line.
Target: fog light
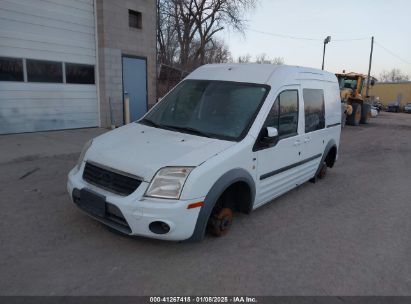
159	227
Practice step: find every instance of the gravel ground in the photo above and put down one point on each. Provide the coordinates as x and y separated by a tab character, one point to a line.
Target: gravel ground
346	235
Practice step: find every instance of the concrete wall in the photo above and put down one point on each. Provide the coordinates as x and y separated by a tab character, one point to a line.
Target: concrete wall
115	38
390	91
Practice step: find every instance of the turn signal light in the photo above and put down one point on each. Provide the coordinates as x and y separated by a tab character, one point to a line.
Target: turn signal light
195	205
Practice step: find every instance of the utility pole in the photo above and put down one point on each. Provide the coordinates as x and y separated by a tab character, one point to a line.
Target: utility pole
326	40
369	68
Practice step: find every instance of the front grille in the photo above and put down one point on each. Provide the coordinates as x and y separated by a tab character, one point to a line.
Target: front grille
109	180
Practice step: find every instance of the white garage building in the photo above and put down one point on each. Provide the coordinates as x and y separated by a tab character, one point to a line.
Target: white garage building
50	54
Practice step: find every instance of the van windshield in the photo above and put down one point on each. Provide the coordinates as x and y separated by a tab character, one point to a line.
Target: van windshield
217	109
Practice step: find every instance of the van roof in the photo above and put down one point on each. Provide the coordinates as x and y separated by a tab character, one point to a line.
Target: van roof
258	73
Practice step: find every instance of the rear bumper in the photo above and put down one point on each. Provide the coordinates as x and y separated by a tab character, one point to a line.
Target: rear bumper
139	212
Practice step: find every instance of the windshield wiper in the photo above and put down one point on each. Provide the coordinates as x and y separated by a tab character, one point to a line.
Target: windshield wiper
189	130
150	123
175	128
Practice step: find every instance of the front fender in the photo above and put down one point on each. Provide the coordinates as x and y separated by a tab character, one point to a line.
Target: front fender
225	181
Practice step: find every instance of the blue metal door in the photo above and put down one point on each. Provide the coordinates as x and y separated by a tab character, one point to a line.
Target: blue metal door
135	85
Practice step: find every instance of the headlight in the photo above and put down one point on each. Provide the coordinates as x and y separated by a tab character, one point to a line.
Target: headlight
168	182
87	145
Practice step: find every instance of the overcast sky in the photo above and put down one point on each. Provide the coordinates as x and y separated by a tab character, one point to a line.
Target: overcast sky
388	21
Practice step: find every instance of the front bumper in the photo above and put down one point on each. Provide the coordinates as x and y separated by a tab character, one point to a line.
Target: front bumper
139	211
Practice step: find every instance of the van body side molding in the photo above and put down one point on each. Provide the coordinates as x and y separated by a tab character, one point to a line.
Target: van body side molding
272	173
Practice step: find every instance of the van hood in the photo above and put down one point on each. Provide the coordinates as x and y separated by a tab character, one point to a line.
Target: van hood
142	150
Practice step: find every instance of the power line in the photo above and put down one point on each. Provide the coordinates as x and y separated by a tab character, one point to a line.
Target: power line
285	36
351	39
392	53
334	40
303	38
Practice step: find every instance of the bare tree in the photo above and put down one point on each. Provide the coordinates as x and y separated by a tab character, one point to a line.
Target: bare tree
216	51
213	15
395	75
244	58
264	59
185	15
278	60
193	24
166	34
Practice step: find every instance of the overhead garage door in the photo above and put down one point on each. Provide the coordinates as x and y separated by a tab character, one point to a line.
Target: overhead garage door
47	65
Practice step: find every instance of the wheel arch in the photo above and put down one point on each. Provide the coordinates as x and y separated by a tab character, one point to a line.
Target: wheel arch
227	180
329	156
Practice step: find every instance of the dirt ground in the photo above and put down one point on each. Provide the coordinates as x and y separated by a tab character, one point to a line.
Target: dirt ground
349	234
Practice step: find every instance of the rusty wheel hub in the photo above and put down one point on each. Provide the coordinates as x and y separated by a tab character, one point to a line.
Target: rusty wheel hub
220	222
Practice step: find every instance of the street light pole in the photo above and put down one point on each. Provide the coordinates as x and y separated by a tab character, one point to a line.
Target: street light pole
369	69
326	40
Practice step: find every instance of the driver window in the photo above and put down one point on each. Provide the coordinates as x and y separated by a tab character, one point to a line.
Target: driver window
284	114
272	118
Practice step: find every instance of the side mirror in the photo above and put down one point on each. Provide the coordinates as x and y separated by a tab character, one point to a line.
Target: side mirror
268	137
272	132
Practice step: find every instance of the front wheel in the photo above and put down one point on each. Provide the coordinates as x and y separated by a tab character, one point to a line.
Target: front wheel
220	222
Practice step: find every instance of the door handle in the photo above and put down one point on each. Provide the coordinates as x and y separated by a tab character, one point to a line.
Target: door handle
307	140
297	143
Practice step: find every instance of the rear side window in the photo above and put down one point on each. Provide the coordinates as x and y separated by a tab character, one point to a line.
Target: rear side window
314	109
284	114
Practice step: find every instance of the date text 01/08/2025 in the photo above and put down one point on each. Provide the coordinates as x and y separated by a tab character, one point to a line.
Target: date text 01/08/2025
188	299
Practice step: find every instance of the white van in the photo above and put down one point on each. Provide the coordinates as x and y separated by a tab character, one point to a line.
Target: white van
227	138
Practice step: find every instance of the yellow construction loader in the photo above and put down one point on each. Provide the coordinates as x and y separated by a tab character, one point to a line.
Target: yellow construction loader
356	108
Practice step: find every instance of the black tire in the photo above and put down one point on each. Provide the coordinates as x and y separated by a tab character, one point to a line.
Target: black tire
365	113
323	171
355	117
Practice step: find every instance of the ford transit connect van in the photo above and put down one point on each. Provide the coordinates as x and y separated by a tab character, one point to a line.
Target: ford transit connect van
229	138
